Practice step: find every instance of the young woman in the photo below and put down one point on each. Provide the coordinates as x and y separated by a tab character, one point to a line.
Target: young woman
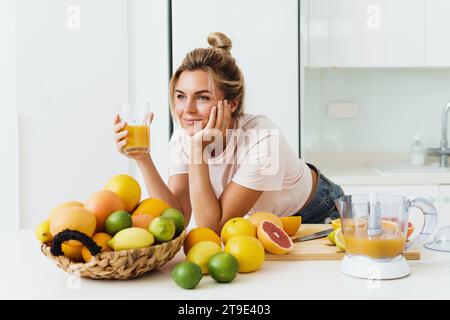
226	163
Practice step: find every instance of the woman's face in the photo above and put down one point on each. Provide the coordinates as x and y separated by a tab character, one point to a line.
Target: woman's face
195	96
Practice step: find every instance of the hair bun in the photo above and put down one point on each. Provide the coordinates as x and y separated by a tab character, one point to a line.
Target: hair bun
218	40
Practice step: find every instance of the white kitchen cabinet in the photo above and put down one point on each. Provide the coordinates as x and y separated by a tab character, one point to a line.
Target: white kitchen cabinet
437	25
72	70
366	33
265	44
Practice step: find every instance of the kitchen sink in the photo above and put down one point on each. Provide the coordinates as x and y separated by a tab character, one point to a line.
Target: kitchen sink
407	168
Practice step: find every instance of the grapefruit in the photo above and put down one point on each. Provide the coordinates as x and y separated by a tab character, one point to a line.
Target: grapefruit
291	224
102	204
127	188
65	205
151	206
410	229
237	226
197	235
258	217
73	218
248	251
274	239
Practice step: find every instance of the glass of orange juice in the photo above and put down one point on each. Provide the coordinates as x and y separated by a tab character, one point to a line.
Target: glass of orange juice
136	115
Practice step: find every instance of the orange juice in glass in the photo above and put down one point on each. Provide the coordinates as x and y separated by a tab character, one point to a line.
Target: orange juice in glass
136	115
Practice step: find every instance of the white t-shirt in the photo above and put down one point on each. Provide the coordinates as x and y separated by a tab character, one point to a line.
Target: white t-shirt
257	156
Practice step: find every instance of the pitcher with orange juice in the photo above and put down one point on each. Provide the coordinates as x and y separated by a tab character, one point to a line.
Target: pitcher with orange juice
374	228
136	115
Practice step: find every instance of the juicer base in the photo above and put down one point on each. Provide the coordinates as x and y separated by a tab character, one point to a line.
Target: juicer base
367	268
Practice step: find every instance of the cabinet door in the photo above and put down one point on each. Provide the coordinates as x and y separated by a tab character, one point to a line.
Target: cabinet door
437	25
366	33
265	44
72	65
444	206
429	192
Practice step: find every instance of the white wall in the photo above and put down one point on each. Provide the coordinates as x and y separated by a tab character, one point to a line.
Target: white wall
8	130
264	35
394	104
149	73
70	77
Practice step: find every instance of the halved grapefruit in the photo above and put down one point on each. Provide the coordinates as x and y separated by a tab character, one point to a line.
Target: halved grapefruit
274	239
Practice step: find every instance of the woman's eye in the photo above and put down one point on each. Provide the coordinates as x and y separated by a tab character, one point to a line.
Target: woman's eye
204	98
180	97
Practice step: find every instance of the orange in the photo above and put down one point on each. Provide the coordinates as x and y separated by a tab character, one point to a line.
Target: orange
142	221
274	239
100	239
257	217
197	235
127	188
72	252
102	204
237	226
291	224
73	218
151	206
248	251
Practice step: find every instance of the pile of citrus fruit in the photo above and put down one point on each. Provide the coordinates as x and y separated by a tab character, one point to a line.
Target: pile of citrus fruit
244	241
115	218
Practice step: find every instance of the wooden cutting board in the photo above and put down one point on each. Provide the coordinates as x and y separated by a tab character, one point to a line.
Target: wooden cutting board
321	249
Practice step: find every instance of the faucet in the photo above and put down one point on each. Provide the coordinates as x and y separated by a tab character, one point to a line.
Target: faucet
443	152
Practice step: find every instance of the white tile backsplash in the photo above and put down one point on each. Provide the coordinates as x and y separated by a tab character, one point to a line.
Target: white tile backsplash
393	104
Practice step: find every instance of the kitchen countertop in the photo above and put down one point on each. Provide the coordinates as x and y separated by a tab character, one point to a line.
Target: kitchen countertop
360	174
25	273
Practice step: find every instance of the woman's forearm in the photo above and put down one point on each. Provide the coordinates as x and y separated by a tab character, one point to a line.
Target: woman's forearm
156	186
204	202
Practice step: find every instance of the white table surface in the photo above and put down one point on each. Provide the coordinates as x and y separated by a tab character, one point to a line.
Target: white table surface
25	273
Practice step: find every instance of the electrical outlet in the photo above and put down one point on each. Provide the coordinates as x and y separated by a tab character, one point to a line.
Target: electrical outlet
342	110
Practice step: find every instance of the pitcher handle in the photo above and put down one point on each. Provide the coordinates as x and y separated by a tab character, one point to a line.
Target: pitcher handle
430	220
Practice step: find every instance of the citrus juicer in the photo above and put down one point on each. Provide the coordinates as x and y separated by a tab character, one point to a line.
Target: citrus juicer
374	228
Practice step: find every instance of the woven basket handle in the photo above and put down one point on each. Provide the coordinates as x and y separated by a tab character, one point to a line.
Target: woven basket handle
67	234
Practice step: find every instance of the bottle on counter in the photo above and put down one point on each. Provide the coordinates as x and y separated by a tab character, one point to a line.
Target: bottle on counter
417	153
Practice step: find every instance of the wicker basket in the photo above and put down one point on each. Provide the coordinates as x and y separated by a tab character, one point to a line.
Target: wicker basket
127	264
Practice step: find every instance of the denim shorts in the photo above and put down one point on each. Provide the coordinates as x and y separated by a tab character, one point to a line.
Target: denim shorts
321	208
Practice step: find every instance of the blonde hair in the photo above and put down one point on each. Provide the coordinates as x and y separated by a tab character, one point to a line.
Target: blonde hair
220	66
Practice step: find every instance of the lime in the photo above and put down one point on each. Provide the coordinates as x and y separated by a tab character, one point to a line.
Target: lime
187	275
177	217
339	239
331	236
162	228
201	252
223	267
117	221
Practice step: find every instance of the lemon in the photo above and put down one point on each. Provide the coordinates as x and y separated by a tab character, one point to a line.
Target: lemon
331	236
131	238
42	232
201	252
339	239
336	223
